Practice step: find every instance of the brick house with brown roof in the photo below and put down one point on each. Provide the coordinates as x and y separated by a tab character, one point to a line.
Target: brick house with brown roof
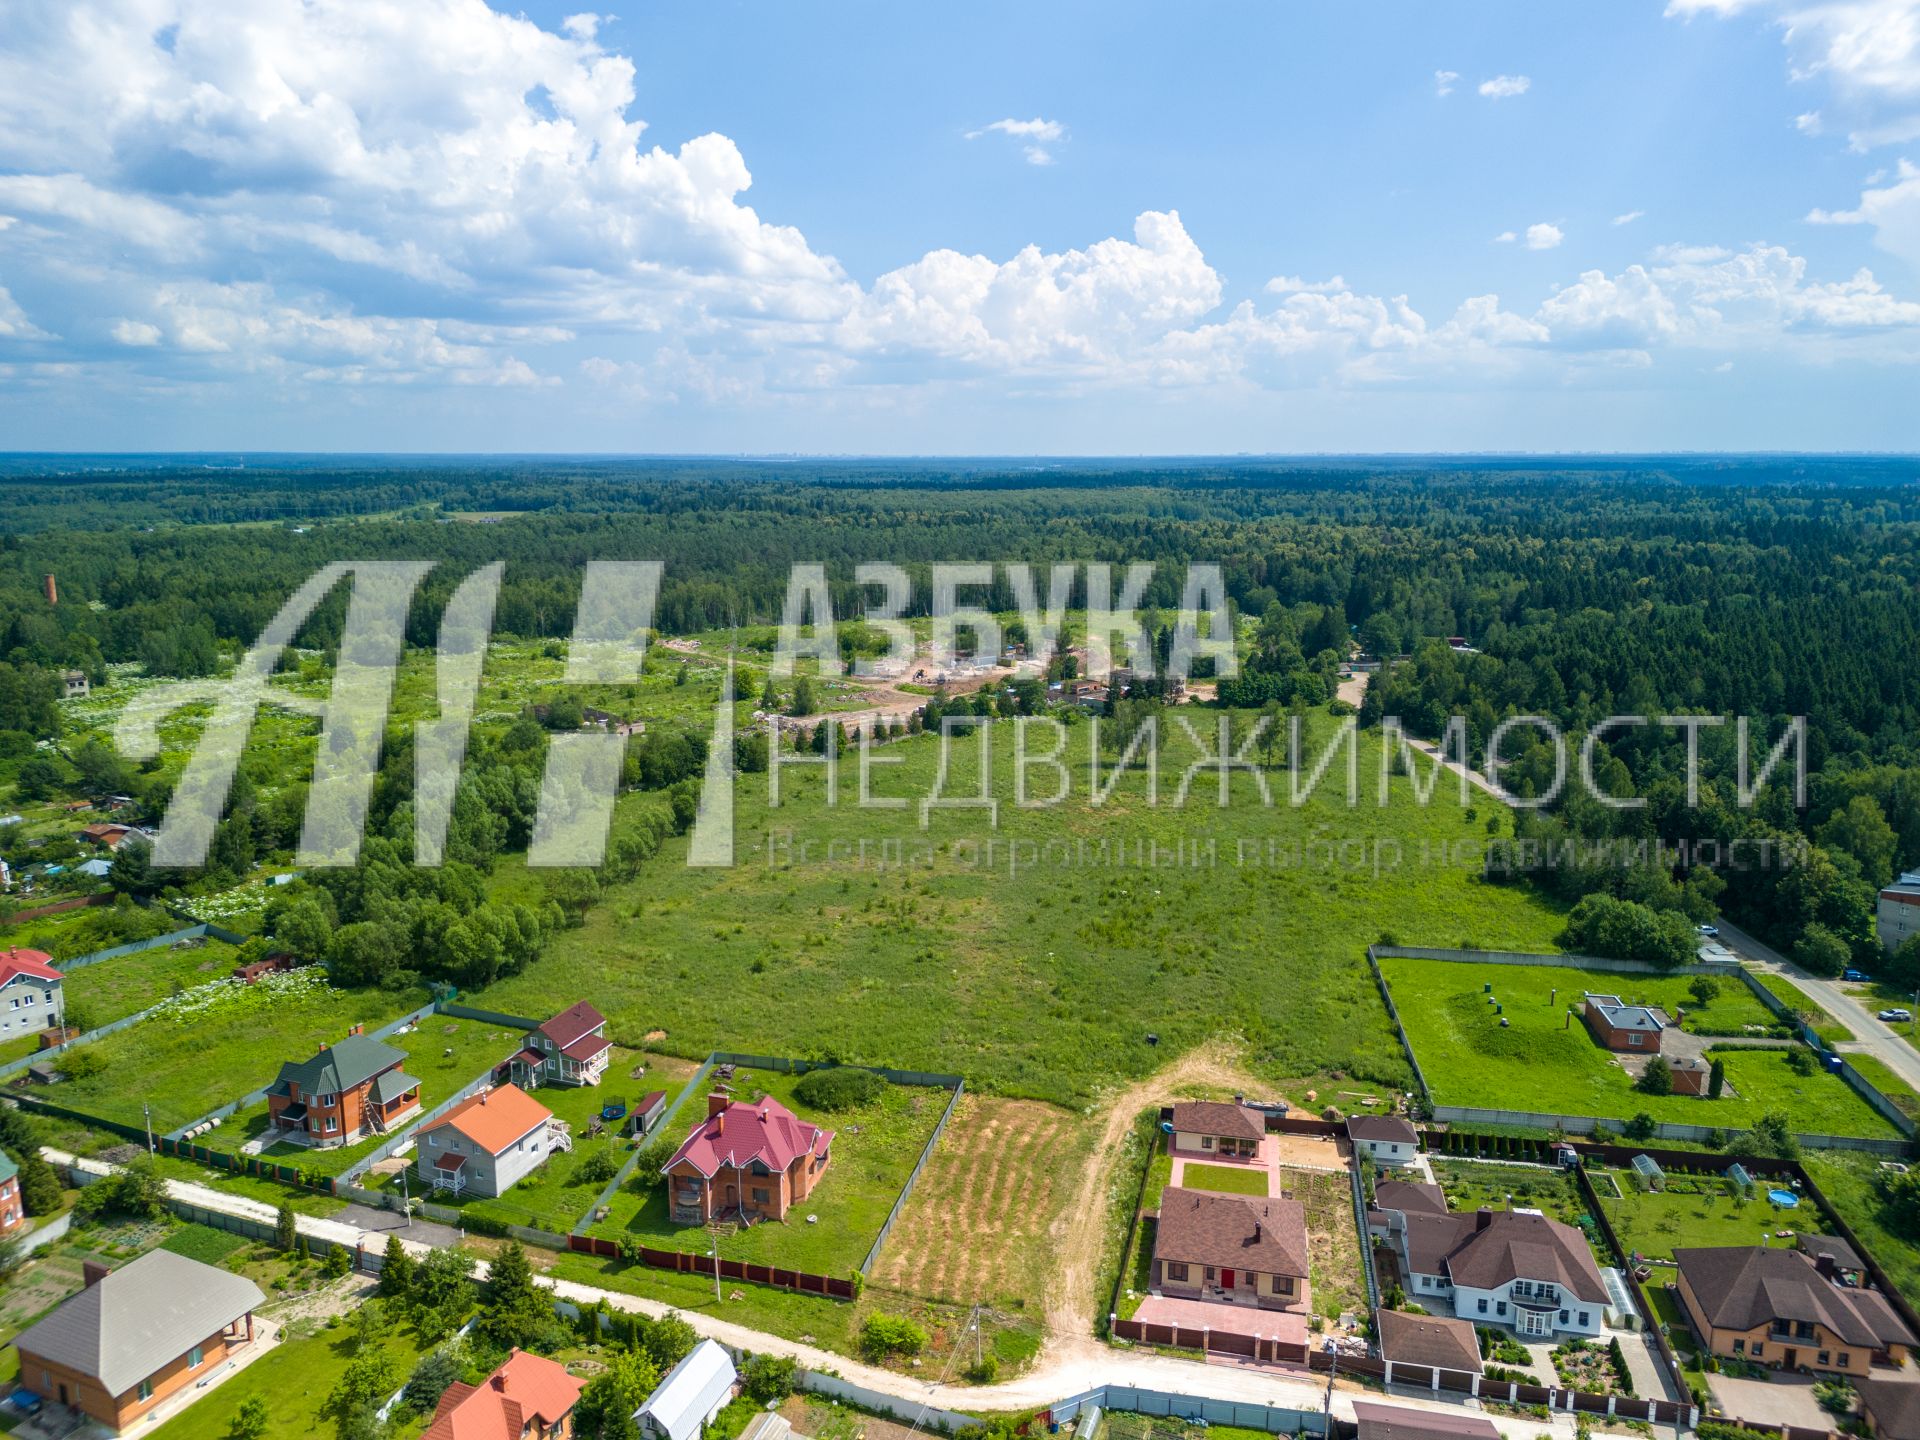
1787	1310
1218	1129
1891	1408
753	1159
346	1092
1241	1249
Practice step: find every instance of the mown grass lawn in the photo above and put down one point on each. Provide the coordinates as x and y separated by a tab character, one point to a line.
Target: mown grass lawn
185	1066
875	1148
1544	1059
1225	1179
443	1054
1824	1025
1696	1212
294	1379
1044	978
558	1195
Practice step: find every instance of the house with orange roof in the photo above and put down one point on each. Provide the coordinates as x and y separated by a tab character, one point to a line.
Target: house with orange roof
32	994
528	1397
747	1160
488	1142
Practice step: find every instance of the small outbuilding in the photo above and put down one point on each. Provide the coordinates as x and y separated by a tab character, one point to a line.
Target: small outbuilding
695	1391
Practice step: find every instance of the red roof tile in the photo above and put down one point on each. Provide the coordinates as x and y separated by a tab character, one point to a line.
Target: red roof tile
573	1023
36	963
523	1389
585	1048
763	1130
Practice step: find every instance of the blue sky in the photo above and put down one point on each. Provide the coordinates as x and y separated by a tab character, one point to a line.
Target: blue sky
1070	228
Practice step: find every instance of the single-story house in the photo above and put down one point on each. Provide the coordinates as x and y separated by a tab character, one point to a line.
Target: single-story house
1389	1139
109	833
1218	1128
755	1159
12	1214
1891	1407
570	1049
1779	1308
1512	1268
348	1091
136	1335
1244	1249
32	993
695	1390
1439	1341
1690	1074
1631	1029
488	1142
1394	1422
527	1397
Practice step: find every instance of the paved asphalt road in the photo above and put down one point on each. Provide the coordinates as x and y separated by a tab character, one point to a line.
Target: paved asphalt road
1855	1011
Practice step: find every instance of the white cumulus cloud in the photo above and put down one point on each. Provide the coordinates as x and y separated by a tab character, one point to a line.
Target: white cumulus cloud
1505	87
1544	236
1443	81
1037	134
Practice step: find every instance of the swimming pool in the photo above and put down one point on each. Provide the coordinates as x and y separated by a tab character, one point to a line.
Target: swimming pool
1785	1199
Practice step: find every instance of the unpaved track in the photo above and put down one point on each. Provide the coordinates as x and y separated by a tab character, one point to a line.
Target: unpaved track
1080	1233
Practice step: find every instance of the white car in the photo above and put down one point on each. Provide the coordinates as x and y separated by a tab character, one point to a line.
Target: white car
1709	930
1895	1014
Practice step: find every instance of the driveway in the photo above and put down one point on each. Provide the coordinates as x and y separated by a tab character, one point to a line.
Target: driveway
1786	1401
424	1232
1876	1038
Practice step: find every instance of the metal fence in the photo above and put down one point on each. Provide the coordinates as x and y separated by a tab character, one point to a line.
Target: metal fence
133	947
1593	1124
900	1200
1360	1221
1193	1409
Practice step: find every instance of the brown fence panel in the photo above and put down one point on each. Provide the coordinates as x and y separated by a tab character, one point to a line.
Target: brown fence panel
581	1244
1230	1343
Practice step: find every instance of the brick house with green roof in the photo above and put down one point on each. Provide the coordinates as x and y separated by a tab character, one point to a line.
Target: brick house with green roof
348	1091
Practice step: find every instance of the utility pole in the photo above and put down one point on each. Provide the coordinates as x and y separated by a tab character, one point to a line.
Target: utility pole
1333	1368
406	1200
147	1111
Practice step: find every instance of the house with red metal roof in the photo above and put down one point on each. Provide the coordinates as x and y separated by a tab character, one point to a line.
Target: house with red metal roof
570	1049
488	1142
751	1160
528	1397
32	995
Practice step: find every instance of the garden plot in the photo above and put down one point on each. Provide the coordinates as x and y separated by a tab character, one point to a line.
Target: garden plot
1698	1211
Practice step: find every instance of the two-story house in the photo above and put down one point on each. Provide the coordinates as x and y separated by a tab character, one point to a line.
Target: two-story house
488	1142
755	1159
1788	1309
1515	1269
345	1093
1241	1249
1388	1139
570	1049
32	995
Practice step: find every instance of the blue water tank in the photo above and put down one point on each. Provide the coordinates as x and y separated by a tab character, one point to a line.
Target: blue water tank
1834	1062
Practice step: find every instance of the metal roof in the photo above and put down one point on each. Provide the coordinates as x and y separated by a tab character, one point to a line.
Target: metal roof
693	1390
136	1320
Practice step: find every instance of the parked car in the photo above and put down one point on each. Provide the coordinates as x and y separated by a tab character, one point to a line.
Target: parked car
1895	1014
1854	975
1709	929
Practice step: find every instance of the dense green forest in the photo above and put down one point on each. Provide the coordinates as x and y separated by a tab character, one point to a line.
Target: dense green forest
1759	587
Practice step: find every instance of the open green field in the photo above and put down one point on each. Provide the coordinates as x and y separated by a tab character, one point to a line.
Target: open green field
1043	979
113	989
875	1148
188	1063
1696	1211
1226	1179
1545	1059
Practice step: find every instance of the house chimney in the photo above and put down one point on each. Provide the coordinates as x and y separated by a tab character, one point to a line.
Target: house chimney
1482	1218
500	1381
93	1272
717	1102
